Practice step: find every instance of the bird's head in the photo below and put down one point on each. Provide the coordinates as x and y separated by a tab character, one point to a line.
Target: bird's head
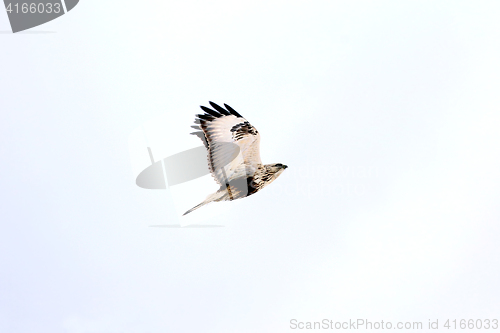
275	169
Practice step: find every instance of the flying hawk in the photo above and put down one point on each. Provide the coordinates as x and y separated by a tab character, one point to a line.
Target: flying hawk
233	154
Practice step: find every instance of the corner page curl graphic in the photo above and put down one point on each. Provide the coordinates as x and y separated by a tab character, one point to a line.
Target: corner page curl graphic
26	14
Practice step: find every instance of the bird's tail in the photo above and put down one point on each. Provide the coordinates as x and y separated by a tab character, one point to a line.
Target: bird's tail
217	196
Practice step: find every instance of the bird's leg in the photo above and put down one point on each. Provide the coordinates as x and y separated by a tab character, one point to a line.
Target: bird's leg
229	191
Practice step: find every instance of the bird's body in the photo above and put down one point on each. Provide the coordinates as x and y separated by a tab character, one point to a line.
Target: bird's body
233	155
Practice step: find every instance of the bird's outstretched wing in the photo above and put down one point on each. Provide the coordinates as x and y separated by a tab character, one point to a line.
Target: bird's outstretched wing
233	143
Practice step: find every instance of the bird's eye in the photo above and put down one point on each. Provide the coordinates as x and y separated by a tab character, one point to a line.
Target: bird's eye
279	165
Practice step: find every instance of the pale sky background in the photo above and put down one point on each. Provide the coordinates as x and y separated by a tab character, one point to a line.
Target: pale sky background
386	112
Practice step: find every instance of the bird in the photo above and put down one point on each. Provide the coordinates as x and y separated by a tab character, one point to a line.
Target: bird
233	154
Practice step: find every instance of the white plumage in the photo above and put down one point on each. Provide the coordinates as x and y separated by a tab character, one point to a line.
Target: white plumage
233	154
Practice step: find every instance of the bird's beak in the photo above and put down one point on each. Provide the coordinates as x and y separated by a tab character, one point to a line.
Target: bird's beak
285	166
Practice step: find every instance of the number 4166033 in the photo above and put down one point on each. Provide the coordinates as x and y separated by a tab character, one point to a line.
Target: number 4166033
33	8
472	324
